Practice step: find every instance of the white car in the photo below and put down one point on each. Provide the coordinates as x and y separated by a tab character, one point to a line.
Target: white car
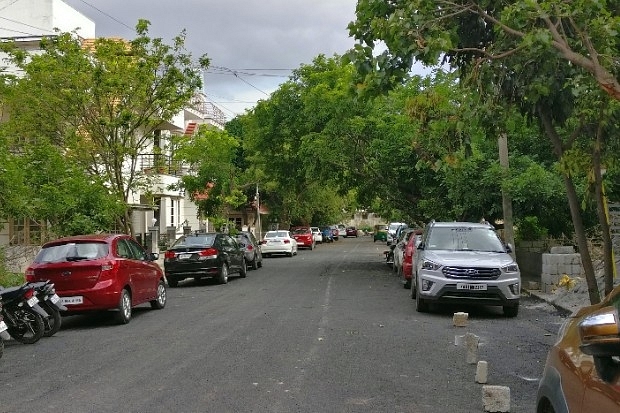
317	234
278	242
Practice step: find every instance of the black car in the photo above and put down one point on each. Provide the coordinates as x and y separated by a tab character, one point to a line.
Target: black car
253	255
205	255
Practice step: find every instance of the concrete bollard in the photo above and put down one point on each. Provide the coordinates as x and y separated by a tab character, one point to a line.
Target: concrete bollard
482	372
459	340
471	342
460	319
496	399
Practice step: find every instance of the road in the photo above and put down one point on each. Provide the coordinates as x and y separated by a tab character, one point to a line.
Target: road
329	330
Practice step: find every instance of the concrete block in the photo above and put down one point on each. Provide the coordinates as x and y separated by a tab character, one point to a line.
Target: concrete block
562	250
496	399
471	343
460	319
482	372
532	285
459	340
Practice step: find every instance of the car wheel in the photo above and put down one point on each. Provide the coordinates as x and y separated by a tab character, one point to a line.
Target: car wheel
160	301
123	315
511	311
255	263
222	277
243	272
260	263
413	288
173	283
421	305
290	254
407	284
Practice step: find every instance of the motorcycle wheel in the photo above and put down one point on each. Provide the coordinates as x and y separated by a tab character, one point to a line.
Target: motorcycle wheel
53	322
29	328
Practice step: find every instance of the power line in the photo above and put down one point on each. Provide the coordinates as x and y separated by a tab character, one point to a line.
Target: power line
25	24
108	15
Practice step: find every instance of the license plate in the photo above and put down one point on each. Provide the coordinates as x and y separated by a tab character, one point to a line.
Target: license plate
3	326
475	287
184	256
78	299
54	298
32	301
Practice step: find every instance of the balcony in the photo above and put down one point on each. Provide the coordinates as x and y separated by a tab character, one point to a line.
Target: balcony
160	164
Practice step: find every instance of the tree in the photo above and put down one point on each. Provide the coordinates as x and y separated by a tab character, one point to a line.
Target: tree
540	56
100	102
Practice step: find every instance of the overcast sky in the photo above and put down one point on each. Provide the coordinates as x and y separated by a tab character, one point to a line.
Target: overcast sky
258	40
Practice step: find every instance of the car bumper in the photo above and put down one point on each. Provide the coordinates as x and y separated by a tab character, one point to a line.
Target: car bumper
103	296
276	249
180	271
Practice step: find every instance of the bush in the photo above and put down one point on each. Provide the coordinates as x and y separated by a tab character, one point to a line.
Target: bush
10	279
529	229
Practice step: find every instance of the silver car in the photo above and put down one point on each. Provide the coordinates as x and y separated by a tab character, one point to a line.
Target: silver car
465	262
251	248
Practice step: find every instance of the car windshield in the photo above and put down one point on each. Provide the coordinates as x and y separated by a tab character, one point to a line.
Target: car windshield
464	239
74	251
205	240
275	234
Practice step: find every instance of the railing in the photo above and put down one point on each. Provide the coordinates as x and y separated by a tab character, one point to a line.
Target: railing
157	163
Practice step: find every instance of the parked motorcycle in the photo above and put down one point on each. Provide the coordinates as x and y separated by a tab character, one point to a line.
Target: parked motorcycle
389	256
22	314
50	302
3	334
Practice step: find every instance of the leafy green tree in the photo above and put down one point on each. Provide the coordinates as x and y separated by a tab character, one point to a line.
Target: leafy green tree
100	102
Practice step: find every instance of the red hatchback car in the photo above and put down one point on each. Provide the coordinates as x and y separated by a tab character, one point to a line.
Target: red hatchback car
408	253
100	272
304	237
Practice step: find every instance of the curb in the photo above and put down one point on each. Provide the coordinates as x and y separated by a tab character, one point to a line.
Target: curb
540	296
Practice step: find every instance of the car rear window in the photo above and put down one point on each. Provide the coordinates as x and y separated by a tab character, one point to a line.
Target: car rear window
302	231
74	251
195	241
274	234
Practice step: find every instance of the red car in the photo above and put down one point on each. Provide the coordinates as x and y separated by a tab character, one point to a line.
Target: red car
408	253
304	237
100	272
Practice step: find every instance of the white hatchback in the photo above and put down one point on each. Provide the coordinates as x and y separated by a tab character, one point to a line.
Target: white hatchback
317	234
278	242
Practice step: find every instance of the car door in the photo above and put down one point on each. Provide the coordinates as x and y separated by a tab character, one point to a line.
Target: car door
146	271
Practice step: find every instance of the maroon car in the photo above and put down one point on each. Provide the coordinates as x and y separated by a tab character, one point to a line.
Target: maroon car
100	272
304	237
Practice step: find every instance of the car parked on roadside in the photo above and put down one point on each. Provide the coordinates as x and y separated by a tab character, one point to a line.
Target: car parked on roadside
342	230
304	238
100	272
251	247
278	242
335	232
406	269
317	234
582	371
465	262
204	255
351	232
399	249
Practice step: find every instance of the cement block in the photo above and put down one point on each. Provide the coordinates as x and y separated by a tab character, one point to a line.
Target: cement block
496	399
460	319
562	250
471	343
533	285
482	372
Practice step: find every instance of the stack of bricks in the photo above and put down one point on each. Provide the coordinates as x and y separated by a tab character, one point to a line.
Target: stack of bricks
558	262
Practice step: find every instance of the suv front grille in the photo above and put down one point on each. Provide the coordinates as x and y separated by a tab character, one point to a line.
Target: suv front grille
471	273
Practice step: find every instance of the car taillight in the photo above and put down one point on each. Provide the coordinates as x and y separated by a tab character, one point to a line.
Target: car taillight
250	247
169	254
208	253
287	241
30	275
263	241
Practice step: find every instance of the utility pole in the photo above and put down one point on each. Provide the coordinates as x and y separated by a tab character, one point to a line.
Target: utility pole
509	236
258	224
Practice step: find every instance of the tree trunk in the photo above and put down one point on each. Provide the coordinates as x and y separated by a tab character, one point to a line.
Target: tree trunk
575	211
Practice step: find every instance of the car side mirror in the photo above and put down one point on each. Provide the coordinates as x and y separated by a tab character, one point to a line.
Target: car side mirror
509	248
420	246
154	256
600	338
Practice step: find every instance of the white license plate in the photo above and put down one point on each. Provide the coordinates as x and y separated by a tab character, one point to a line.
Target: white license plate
77	299
32	301
3	326
476	287
184	256
54	298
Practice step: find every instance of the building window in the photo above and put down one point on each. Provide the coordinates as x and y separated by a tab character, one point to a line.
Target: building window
24	231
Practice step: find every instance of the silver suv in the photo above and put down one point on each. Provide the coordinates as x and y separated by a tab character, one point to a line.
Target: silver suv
465	262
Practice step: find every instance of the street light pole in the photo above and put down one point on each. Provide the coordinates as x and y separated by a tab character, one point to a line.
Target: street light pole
258	213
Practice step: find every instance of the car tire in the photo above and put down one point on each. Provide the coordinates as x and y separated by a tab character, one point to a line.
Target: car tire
243	271
260	263
172	283
160	301
290	254
222	276
421	306
123	315
413	288
407	284
255	263
511	311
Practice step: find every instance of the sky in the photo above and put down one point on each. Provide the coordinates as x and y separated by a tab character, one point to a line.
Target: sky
253	44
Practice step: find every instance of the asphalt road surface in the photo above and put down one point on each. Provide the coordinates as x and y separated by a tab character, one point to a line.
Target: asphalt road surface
328	330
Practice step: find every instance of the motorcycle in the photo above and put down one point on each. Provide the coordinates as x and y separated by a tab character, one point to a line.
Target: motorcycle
50	302
22	314
3	334
389	256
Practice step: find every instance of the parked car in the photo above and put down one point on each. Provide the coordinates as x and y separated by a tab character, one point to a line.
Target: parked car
251	247
278	242
317	234
408	254
204	255
465	262
399	249
100	272
351	232
342	230
380	233
582	372
392	231
335	232
304	237
327	234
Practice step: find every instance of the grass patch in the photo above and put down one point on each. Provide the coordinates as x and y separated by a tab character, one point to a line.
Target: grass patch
10	279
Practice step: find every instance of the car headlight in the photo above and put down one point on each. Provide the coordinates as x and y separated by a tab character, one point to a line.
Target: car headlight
511	268
430	265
